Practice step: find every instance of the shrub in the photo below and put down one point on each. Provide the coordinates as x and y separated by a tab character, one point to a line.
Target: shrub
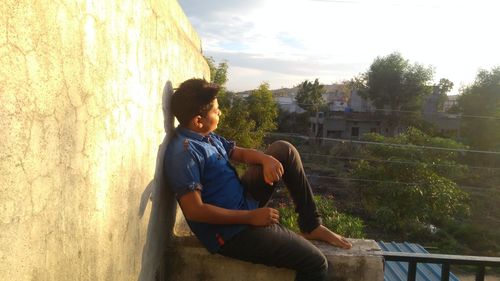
344	224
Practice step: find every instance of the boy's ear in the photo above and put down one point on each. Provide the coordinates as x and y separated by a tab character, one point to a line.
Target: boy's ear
197	121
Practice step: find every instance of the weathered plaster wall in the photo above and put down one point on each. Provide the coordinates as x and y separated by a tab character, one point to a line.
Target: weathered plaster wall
81	119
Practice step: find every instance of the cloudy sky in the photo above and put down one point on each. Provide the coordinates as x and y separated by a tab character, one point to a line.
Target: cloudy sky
284	42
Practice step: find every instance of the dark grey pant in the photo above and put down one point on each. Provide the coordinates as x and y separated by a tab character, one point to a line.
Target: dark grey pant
275	245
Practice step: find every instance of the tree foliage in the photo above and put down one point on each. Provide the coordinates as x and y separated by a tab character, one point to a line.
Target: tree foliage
218	74
408	188
443	87
310	96
263	109
482	98
394	81
293	122
235	122
245	121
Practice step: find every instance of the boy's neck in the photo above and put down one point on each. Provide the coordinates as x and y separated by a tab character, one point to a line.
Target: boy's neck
196	130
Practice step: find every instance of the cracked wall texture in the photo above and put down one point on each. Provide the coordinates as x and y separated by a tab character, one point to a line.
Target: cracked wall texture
80	120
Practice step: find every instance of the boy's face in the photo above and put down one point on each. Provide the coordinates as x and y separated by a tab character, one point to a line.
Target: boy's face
211	120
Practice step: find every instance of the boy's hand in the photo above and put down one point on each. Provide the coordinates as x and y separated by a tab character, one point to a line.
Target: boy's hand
264	217
272	170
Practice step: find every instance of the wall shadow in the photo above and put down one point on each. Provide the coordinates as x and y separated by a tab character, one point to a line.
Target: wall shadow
154	266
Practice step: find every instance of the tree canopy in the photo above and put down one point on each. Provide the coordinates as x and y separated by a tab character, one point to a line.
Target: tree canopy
310	95
263	109
394	81
482	98
218	74
245	121
408	196
235	122
443	87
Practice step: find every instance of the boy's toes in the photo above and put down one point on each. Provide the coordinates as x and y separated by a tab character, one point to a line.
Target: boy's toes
324	234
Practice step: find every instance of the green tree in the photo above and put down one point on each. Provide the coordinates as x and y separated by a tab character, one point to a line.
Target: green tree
444	87
235	122
394	82
245	121
218	74
406	196
263	110
310	96
482	98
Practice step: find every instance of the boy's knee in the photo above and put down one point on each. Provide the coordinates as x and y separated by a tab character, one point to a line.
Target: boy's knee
282	144
317	269
322	267
323	264
281	149
317	261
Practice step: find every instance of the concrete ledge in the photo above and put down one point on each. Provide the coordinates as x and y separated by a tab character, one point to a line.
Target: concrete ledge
359	263
188	260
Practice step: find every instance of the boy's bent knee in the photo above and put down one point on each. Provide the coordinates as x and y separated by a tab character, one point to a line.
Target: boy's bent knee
282	144
323	264
316	270
316	261
281	150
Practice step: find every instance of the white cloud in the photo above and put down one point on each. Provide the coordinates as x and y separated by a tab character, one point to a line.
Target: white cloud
335	39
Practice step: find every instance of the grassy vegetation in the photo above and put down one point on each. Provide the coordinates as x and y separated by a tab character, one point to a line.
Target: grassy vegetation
339	222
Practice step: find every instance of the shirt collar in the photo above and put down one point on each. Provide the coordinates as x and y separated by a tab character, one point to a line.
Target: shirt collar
192	134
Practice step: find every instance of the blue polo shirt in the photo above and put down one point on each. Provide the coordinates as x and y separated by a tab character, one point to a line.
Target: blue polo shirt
197	162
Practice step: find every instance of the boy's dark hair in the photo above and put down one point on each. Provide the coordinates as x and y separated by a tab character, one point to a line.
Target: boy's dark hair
193	97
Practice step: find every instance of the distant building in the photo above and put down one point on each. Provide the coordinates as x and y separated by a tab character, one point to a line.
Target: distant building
358	104
288	104
351	116
445	123
347	125
336	97
450	102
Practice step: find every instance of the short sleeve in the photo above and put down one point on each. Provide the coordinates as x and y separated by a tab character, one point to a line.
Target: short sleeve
228	145
183	173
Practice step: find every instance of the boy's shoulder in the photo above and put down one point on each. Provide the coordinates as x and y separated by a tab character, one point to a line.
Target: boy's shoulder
181	143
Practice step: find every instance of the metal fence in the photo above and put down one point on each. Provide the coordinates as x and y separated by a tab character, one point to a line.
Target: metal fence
444	260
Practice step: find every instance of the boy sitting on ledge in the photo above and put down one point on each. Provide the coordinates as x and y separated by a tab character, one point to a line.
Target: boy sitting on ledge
229	215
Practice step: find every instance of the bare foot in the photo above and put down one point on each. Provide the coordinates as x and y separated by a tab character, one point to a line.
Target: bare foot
322	233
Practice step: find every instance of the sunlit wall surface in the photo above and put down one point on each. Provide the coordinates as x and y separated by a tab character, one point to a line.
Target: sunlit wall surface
80	120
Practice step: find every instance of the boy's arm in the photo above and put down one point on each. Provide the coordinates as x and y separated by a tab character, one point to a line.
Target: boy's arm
195	210
271	167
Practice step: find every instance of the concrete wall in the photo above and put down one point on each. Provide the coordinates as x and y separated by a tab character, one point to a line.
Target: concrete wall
362	262
81	119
